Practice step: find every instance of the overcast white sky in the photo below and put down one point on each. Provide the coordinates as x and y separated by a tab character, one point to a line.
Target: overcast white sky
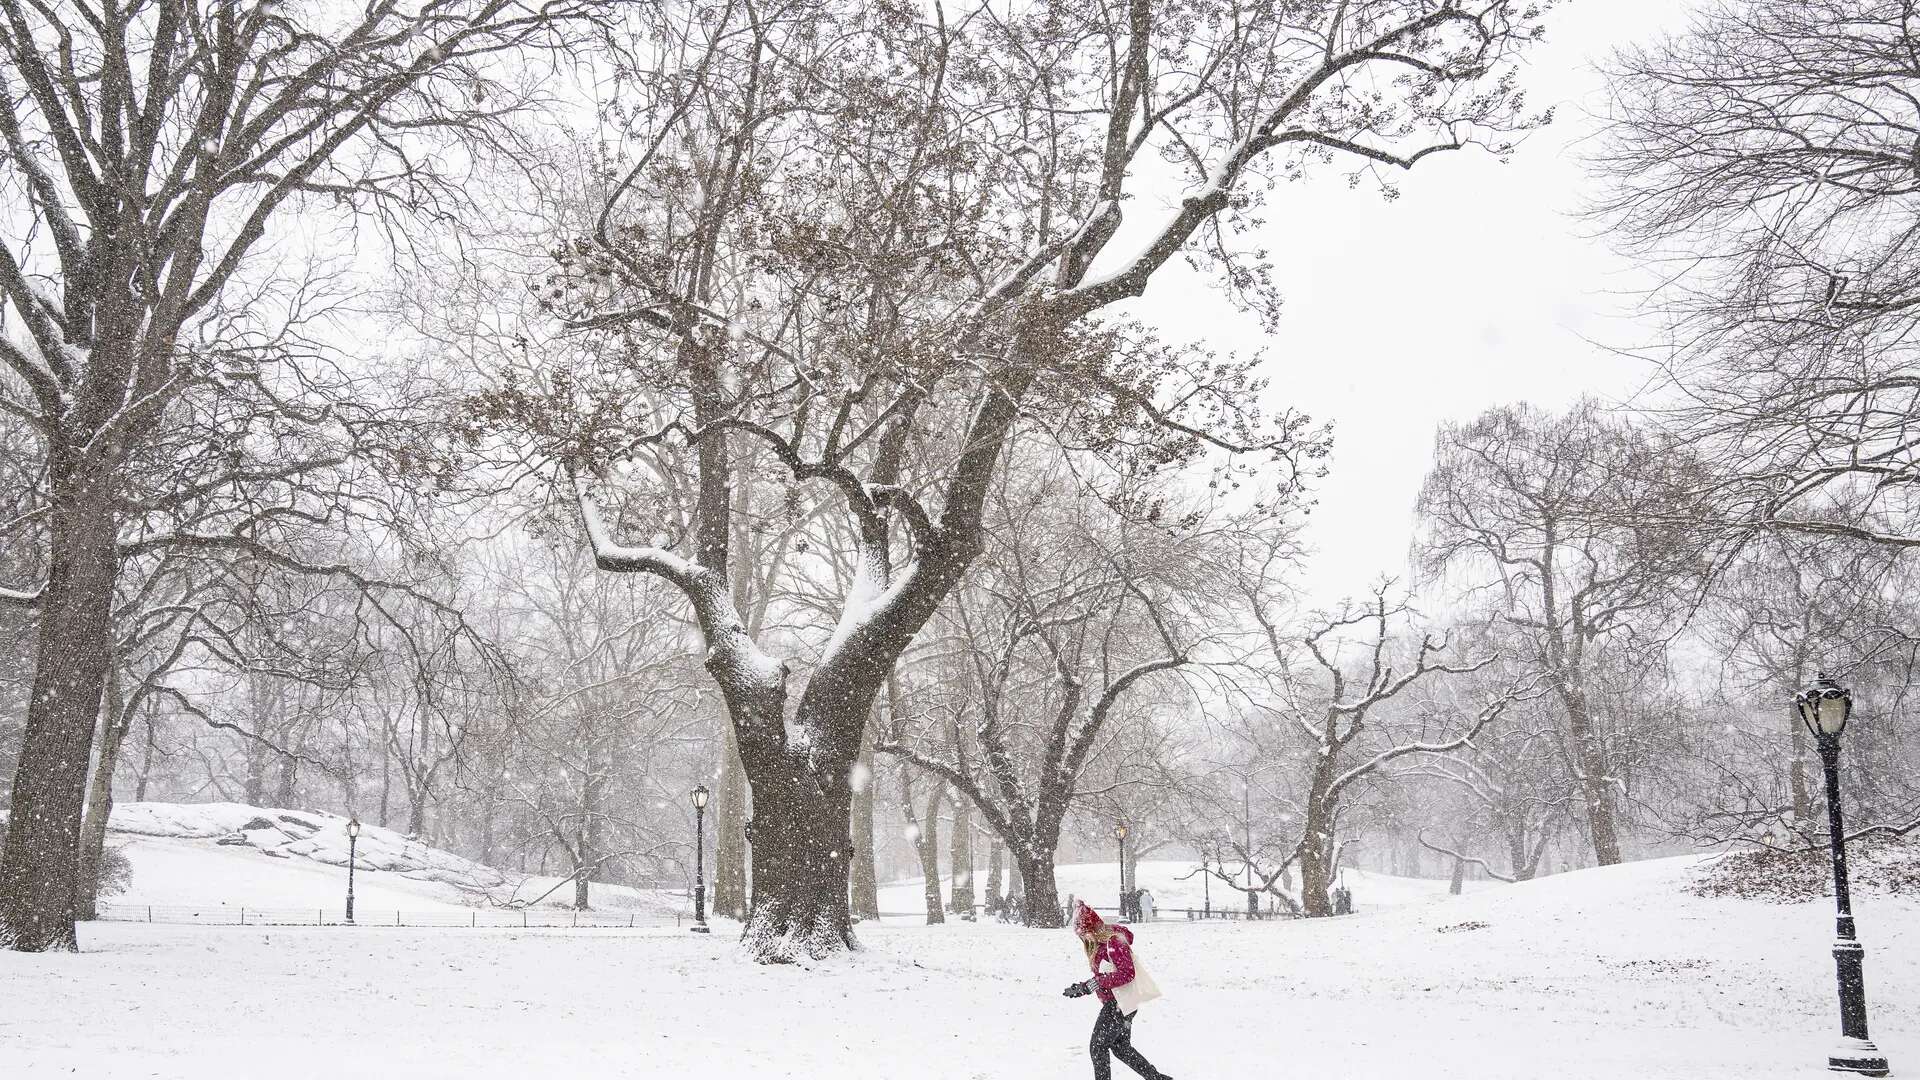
1476	287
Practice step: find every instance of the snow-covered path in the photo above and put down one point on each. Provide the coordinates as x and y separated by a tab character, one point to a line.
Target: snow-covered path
1603	974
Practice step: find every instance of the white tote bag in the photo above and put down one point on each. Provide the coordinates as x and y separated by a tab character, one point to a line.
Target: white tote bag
1137	991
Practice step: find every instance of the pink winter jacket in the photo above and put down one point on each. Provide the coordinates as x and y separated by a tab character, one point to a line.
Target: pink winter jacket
1117	949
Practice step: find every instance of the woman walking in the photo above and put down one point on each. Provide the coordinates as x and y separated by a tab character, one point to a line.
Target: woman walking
1111	946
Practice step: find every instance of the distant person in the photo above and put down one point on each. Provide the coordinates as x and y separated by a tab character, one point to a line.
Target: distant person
1143	905
1111	947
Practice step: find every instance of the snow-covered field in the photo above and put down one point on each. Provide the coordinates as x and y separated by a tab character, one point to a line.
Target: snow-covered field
1615	973
215	858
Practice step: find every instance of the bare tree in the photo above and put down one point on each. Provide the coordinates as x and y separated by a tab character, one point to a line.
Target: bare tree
1786	608
600	689
1512	784
1353	722
923	827
1577	527
1783	609
1765	156
884	337
1252	871
1072	617
150	149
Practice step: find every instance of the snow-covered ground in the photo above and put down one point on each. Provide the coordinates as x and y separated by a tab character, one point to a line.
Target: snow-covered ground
1615	973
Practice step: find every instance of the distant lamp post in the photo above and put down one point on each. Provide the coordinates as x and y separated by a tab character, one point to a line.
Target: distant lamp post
353	844
1825	708
700	859
1206	882
1120	834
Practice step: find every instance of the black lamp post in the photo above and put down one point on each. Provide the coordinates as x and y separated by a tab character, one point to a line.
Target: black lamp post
1825	707
700	860
1120	834
353	843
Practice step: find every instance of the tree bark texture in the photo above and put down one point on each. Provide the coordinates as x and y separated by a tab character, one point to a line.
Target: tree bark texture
1040	894
926	842
960	857
866	886
730	834
1596	786
114	721
995	896
74	654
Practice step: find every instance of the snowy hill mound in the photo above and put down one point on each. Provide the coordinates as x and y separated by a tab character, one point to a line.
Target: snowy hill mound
211	857
304	834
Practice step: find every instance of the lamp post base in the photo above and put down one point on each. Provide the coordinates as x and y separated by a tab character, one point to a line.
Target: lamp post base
701	928
1857	1056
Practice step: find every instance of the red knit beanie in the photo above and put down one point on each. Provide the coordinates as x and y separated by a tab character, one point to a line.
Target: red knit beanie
1085	920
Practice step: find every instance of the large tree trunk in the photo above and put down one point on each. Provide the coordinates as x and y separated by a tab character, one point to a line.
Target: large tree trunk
960	857
582	877
926	841
73	654
255	793
1517	854
730	831
114	720
1316	856
586	835
146	753
1040	894
800	855
289	737
731	801
866	887
1797	731
386	785
286	793
1797	767
995	897
267	703
800	768
1596	786
416	810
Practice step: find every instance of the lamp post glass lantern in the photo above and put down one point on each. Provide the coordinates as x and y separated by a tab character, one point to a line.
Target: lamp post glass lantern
353	843
1120	834
700	795
1825	707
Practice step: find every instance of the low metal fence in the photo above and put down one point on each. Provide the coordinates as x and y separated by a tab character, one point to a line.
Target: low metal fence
1231	914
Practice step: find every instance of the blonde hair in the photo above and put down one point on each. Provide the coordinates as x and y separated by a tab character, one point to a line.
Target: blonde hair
1092	942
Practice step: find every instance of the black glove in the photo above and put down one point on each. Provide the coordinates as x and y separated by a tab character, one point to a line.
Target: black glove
1078	989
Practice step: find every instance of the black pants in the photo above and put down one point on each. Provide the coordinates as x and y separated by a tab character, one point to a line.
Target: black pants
1113	1034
